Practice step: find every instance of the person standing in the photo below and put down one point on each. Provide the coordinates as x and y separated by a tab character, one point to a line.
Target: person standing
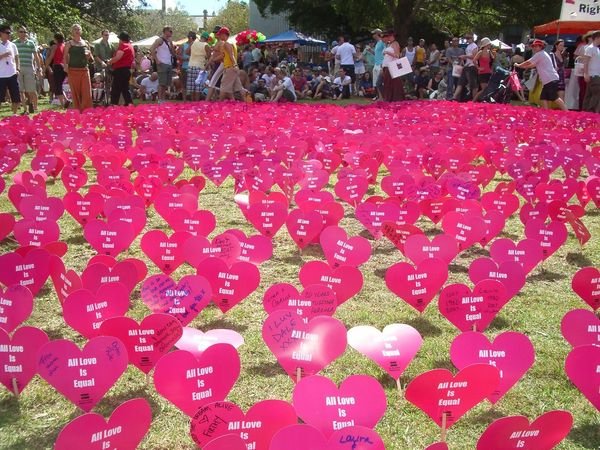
453	58
199	56
103	51
469	76
184	58
546	72
434	59
393	88
378	62
31	68
77	56
9	69
409	51
215	64
162	53
558	59
121	64
56	62
345	52
591	73
420	54
230	82
484	59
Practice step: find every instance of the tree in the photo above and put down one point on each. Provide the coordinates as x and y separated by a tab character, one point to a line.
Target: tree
151	22
234	16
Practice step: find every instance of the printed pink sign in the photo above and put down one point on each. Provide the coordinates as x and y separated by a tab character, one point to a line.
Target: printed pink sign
225	246
509	273
581	327
307	348
18	356
545	432
92	432
16	305
267	216
183	300
256	427
418	247
550	236
147	341
373	216
586	284
438	392
511	353
527	252
226	442
359	401
109	238
190	382
315	300
398	234
346	281
196	341
255	249
417	286
343	251
582	369
41	209
467	229
304	226
98	273
391	349
30	271
28	232
302	437
83	376
167	252
198	223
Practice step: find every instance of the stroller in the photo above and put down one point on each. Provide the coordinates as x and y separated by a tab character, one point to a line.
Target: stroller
500	87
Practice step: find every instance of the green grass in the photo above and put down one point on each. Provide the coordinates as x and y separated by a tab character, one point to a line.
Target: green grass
35	419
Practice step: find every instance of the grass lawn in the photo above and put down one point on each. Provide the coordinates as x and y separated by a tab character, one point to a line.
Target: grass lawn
35	419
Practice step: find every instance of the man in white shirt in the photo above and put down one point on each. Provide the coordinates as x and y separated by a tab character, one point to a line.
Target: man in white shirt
9	68
284	91
591	74
469	77
149	87
546	73
345	53
341	85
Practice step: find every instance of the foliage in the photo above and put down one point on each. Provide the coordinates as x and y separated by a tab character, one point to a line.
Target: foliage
235	16
151	22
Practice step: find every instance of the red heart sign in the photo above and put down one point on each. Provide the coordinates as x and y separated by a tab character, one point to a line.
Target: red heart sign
267	216
472	310
16	305
83	376
155	336
92	432
18	356
581	327
511	353
189	382
41	209
302	437
226	442
256	427
315	300
545	432
183	300
438	392
582	369
306	347
346	281
586	284
417	286
343	251
359	401
167	252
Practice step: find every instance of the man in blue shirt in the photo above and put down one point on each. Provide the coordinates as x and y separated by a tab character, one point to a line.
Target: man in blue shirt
378	61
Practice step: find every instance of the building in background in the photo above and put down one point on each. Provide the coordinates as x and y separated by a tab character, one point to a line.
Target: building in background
202	20
269	25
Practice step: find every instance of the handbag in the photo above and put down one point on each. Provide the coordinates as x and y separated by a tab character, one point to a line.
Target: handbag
579	66
457	70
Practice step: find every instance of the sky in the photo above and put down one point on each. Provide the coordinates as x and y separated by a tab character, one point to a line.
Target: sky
193	7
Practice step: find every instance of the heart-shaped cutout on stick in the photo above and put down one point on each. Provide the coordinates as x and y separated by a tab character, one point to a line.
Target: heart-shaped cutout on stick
302	437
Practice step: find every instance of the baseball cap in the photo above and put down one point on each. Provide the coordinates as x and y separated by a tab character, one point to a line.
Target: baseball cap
224	30
538	42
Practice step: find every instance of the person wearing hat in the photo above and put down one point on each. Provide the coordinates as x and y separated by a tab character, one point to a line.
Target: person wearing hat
484	59
199	53
231	81
546	72
591	74
9	69
121	64
215	64
393	88
378	61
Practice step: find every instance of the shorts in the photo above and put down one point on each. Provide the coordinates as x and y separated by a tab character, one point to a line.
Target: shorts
165	74
27	81
231	81
550	91
190	82
12	83
216	76
469	78
484	77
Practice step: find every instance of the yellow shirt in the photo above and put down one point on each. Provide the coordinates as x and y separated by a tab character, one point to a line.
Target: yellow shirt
227	62
420	55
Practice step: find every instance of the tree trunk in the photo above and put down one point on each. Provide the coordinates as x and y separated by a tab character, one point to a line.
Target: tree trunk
402	12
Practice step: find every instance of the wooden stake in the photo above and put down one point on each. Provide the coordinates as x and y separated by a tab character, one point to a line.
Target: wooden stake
474	327
399	384
298	374
148	378
15	387
443	437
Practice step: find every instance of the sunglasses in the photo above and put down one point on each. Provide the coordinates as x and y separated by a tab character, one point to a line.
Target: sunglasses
6	32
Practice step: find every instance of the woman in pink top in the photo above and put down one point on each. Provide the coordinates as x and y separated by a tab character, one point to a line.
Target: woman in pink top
484	60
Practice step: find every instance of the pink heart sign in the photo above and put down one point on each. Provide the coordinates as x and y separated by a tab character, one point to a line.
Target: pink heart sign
437	446
315	300
83	376
37	234
472	310
582	369
230	284
550	236
527	252
18	356
417	286
183	300
84	311
226	442
509	273
16	305
359	401
302	437
418	247
304	226
398	234
586	284
511	353
544	433
196	341
98	273
198	223
346	281
30	271
42	209
343	251
190	382
581	327
167	252
256	427
92	432
391	349
373	216
267	216
438	392
225	246
255	249
83	208
109	238
147	342
305	348
7	223
467	229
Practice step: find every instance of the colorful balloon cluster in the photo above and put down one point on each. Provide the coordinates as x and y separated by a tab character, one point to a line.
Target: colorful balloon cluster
249	37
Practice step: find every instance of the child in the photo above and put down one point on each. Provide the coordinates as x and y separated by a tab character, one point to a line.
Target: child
97	88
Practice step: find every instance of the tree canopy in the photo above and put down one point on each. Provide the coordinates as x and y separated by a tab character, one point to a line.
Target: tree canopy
235	16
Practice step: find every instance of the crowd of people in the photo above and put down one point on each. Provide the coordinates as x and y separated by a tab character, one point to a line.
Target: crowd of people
83	74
